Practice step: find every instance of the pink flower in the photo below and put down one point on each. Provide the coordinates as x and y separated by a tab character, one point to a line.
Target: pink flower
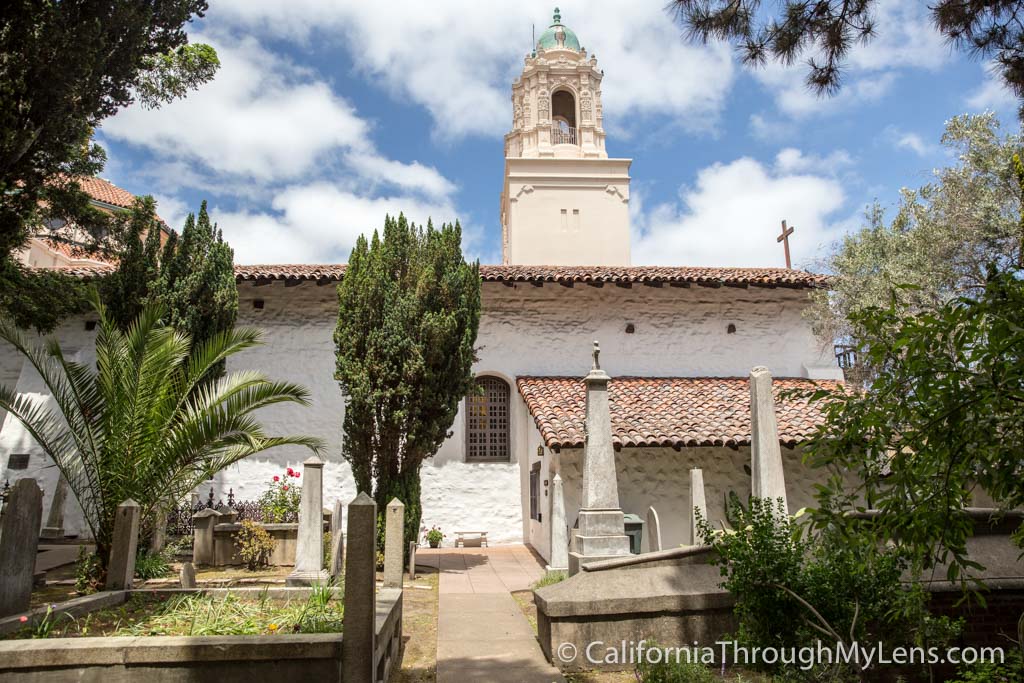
277	478
23	619
295	474
284	488
290	472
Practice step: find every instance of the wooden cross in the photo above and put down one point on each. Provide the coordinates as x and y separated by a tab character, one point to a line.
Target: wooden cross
784	238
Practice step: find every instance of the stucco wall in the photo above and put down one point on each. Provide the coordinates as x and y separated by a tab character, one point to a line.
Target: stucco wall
525	330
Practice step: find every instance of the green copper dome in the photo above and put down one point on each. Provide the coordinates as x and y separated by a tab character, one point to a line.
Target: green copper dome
558	36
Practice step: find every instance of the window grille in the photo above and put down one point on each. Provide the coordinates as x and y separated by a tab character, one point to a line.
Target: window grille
487	421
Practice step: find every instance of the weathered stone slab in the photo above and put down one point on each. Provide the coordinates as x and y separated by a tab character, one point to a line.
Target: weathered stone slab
768	479
202	536
337	563
559	527
653	530
698	503
188	575
394	543
360	591
55	518
19	543
309	549
121	567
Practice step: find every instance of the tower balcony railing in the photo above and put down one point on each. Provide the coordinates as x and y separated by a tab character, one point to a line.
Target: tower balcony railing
563	135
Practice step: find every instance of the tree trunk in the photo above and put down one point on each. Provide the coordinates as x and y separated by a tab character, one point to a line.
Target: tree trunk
405	486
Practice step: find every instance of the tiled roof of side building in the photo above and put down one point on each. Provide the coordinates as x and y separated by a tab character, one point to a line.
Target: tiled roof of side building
672	412
570	275
107	192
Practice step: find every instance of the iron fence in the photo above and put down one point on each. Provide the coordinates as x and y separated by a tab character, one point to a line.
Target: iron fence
179	518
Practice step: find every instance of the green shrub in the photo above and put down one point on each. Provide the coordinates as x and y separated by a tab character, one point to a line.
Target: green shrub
254	545
1010	671
327	549
674	672
88	572
792	588
149	565
280	502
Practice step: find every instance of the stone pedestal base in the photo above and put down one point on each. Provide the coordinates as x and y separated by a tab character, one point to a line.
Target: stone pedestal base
298	578
600	536
51	532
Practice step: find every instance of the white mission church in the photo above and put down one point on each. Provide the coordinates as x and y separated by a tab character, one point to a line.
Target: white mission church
678	343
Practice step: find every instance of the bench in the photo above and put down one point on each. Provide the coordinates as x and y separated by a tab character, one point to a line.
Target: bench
460	538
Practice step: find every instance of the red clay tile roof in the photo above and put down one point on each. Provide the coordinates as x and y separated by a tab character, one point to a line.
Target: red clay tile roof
107	192
569	275
666	411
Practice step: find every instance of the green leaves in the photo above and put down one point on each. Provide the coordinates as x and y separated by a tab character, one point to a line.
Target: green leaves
140	425
408	314
940	426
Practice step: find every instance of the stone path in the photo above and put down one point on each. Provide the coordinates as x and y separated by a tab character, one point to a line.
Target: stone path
53	556
482	634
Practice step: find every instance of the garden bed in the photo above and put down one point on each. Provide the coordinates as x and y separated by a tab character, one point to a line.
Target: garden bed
198	613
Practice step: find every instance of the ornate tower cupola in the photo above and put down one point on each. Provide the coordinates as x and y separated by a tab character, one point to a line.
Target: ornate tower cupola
564	201
556	103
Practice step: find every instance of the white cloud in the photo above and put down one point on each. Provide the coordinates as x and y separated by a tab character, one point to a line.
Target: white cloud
262	120
261	117
319	223
992	94
457	58
908	140
414	176
791	161
731	217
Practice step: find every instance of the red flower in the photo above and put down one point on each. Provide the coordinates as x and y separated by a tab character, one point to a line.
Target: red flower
290	472
285	487
23	619
295	474
277	478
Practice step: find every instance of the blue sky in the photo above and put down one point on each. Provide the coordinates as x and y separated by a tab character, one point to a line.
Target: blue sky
326	115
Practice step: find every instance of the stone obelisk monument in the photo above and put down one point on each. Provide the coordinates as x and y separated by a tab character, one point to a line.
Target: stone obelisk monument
768	478
602	527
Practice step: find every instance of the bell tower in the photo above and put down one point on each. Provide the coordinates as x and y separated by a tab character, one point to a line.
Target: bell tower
564	202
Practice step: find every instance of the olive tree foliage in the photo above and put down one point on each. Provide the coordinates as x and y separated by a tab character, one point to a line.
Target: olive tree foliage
408	315
825	31
941	240
65	66
941	420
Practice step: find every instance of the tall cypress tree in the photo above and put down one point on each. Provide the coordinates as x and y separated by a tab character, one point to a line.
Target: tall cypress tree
408	315
197	280
192	275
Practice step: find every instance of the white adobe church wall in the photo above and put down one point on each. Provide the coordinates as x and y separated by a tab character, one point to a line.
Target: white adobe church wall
524	330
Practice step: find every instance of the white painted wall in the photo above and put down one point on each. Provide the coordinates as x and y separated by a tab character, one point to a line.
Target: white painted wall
525	330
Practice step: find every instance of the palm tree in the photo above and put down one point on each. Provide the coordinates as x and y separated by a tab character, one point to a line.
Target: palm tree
142	424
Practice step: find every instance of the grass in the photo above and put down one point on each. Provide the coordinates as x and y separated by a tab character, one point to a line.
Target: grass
419	631
201	615
550	579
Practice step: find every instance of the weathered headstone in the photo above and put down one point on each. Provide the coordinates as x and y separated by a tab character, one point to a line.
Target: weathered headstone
698	504
768	480
19	543
359	620
121	567
602	526
188	575
202	535
337	563
559	528
309	548
394	543
412	560
653	530
55	518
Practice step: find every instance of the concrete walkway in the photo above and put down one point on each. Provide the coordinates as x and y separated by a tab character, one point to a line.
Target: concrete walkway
482	634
